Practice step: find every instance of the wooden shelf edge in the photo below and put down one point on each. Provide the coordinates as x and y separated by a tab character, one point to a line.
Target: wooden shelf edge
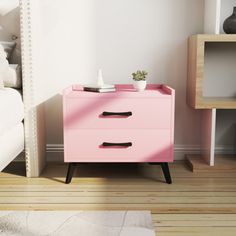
215	37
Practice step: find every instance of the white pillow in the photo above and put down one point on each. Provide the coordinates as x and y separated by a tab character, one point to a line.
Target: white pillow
12	77
3	54
4	67
8	47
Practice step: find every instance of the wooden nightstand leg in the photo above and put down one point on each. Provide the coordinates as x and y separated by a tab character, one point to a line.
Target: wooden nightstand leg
166	172
70	172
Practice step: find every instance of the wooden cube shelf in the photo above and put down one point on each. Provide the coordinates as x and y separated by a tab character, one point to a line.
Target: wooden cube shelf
196	64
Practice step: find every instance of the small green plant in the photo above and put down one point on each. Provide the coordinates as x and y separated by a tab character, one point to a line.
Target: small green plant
140	75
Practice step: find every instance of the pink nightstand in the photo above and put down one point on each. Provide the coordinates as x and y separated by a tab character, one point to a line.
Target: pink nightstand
123	126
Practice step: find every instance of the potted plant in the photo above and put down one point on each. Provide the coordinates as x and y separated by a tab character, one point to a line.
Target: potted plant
139	78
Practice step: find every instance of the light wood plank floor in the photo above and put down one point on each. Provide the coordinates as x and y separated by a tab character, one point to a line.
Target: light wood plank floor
195	204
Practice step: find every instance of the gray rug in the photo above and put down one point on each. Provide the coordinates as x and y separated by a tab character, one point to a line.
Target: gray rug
73	223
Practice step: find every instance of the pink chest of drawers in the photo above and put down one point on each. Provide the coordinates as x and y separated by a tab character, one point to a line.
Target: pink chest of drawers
124	126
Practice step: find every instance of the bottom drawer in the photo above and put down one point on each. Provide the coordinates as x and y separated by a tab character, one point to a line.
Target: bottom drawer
147	146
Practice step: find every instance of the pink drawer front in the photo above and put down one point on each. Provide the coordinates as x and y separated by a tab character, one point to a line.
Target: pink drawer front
87	113
147	146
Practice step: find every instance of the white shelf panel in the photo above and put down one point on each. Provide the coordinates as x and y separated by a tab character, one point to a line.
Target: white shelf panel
212	16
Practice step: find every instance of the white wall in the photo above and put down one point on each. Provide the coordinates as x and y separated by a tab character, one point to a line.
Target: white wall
127	35
130	35
63	45
9	19
141	34
226	130
10	25
219	70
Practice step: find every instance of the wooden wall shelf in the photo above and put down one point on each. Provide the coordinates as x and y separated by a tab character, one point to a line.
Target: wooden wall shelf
196	63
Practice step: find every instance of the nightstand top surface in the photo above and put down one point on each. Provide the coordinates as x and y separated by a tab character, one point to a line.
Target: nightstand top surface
122	90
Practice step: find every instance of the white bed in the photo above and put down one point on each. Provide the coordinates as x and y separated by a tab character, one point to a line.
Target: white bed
11	144
11	108
11	126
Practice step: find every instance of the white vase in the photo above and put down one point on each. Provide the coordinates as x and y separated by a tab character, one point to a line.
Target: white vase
100	81
140	85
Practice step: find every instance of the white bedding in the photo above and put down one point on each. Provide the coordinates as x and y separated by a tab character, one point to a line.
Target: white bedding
11	109
11	144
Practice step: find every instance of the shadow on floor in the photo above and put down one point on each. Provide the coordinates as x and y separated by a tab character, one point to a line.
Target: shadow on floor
106	171
15	169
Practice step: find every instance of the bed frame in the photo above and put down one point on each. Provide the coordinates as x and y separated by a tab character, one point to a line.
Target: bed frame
42	23
34	114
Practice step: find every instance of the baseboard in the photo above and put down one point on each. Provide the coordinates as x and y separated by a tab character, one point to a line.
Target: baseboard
55	152
225	149
181	150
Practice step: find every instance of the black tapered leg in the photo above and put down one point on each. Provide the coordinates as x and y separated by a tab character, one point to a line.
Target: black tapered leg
166	172
70	172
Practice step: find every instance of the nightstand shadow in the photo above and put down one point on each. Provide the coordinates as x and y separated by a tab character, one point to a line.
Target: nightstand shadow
107	171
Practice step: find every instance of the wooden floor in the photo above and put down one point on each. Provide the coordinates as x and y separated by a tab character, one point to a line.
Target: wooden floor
195	204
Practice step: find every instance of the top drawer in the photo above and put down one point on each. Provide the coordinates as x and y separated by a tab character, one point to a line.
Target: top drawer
145	113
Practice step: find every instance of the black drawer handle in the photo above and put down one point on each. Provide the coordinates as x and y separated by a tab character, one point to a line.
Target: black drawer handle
105	144
106	113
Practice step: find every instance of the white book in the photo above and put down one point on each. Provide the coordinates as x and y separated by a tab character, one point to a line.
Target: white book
100	90
95	86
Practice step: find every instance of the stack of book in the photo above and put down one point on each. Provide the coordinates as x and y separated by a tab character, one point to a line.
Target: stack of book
106	88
